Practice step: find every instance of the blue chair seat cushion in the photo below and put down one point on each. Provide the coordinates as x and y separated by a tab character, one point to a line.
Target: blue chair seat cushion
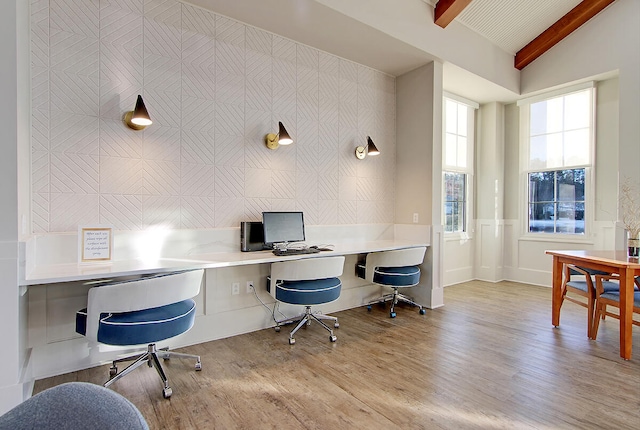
405	276
608	286
615	296
143	326
309	292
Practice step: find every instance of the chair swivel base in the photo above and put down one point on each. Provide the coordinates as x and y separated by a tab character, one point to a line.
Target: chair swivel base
394	298
151	359
305	319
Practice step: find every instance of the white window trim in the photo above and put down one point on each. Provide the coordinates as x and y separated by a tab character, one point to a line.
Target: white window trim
468	171
589	186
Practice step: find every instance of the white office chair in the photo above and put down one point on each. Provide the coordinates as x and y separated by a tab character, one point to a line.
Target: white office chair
396	269
307	282
142	311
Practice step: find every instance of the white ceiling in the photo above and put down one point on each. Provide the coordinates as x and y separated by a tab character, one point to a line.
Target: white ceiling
512	24
508	24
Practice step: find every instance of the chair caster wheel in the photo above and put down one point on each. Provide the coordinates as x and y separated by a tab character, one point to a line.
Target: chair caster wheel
333	338
198	366
291	341
113	370
336	325
167	392
392	314
369	308
277	329
422	311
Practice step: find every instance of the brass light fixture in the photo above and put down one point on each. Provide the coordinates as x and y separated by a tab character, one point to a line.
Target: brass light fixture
138	118
371	149
282	138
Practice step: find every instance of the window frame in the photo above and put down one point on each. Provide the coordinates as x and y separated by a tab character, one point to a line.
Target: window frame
468	171
589	186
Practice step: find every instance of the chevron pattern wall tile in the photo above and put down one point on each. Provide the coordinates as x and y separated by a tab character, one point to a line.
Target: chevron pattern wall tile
40	212
120	175
122	211
196	179
197	146
257	183
74	173
40	165
119	141
229	181
161	210
214	88
327	212
347	212
68	210
229	211
196	212
161	178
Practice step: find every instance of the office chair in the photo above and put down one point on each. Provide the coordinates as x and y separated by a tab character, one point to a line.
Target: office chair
608	294
142	311
395	269
307	282
72	406
582	287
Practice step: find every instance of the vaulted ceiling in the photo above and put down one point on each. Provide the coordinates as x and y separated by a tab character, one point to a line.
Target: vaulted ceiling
508	25
524	28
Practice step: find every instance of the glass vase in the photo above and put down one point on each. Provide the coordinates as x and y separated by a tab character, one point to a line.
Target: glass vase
633	246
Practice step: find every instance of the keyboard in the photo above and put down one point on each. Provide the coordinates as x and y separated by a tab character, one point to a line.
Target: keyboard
295	251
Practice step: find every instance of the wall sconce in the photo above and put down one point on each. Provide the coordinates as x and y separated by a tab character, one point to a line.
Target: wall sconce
371	149
282	138
138	118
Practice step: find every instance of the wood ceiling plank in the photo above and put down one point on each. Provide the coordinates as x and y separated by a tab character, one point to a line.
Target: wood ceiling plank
447	10
577	16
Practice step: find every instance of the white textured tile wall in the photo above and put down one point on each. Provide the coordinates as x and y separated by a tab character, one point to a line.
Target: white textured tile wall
214	87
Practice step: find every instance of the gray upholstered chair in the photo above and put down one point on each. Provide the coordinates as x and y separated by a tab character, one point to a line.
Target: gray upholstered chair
142	311
307	282
395	269
74	406
578	287
608	294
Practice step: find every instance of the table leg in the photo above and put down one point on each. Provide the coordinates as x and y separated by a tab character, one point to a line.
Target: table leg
626	312
556	300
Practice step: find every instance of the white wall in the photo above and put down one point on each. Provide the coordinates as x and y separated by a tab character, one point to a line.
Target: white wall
609	41
214	88
524	258
419	168
13	33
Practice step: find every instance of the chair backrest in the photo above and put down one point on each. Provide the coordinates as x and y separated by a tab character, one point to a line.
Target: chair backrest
306	269
138	294
393	258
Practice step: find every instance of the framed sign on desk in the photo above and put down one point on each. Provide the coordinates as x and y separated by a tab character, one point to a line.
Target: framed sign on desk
95	244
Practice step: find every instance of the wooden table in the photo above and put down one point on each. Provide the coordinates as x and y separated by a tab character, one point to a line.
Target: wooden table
608	261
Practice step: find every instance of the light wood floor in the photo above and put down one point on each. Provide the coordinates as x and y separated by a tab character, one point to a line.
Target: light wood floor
489	359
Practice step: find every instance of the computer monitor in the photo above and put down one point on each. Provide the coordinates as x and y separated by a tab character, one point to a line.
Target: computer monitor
282	227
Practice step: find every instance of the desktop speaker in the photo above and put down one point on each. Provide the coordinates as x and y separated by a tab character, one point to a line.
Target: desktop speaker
251	236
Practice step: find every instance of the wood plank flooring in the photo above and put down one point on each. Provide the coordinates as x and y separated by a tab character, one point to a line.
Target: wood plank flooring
489	359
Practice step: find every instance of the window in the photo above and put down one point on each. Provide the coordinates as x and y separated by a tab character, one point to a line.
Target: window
558	161
455	201
457	163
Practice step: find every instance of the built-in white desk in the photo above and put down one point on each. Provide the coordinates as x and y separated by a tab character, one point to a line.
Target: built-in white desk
55	285
71	272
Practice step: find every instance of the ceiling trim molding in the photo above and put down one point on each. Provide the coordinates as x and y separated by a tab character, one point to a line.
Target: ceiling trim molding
577	16
447	10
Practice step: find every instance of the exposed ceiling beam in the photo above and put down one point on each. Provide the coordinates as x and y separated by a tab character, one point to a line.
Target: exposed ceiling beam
447	10
577	16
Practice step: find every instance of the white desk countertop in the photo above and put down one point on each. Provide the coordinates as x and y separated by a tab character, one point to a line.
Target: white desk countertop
69	272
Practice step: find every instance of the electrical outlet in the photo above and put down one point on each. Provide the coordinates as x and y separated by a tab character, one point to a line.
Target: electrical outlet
235	288
249	287
415	218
